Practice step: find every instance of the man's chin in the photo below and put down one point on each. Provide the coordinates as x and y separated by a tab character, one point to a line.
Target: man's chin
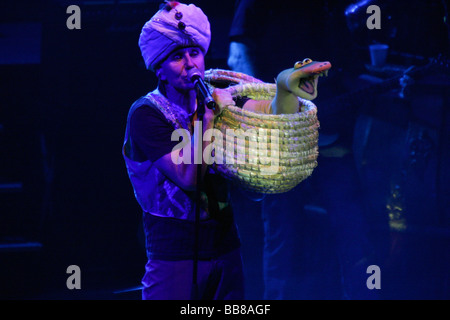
185	86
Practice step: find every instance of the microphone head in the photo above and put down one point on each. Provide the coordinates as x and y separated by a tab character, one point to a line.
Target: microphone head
194	74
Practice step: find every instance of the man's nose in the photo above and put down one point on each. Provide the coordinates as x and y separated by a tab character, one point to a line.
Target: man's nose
188	62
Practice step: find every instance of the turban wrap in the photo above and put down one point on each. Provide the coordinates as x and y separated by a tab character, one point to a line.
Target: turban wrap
175	25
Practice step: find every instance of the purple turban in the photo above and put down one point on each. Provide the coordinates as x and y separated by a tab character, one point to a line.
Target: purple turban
176	25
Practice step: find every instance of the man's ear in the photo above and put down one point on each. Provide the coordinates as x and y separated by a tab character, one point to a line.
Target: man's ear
159	75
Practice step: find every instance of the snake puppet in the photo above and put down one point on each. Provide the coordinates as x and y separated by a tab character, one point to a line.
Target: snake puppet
284	106
299	81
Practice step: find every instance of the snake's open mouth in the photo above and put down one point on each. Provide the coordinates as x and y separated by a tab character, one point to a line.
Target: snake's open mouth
309	84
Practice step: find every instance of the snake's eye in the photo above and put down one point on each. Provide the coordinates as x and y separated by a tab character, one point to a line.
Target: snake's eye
300	64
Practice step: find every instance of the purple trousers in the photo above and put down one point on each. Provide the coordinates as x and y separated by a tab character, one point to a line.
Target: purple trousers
220	278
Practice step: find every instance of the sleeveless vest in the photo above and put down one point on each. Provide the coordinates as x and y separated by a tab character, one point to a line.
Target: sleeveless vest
153	191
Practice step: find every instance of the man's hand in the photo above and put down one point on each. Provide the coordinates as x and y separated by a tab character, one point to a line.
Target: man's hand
223	98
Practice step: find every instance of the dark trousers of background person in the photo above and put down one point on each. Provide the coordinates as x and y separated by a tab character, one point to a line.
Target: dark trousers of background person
316	238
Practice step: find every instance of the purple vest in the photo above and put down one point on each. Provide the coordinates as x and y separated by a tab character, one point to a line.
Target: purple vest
155	193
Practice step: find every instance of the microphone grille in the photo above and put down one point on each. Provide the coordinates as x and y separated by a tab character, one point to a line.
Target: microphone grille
193	74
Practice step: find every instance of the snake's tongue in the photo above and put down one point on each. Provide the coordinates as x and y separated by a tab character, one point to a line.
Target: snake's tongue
308	85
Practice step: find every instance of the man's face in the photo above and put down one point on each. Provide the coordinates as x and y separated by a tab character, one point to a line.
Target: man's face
174	70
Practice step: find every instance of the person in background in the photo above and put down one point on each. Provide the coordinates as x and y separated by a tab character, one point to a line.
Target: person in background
315	236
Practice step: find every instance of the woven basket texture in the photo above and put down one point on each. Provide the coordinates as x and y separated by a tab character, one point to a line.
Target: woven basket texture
263	153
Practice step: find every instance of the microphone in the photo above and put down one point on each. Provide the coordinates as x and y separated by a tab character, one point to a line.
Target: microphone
196	77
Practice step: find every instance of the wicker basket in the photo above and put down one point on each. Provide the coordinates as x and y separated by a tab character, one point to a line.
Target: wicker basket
278	152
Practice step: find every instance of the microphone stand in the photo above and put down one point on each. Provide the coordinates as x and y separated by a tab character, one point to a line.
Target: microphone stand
200	114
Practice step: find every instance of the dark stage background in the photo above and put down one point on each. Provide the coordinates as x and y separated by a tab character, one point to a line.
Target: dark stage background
65	198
